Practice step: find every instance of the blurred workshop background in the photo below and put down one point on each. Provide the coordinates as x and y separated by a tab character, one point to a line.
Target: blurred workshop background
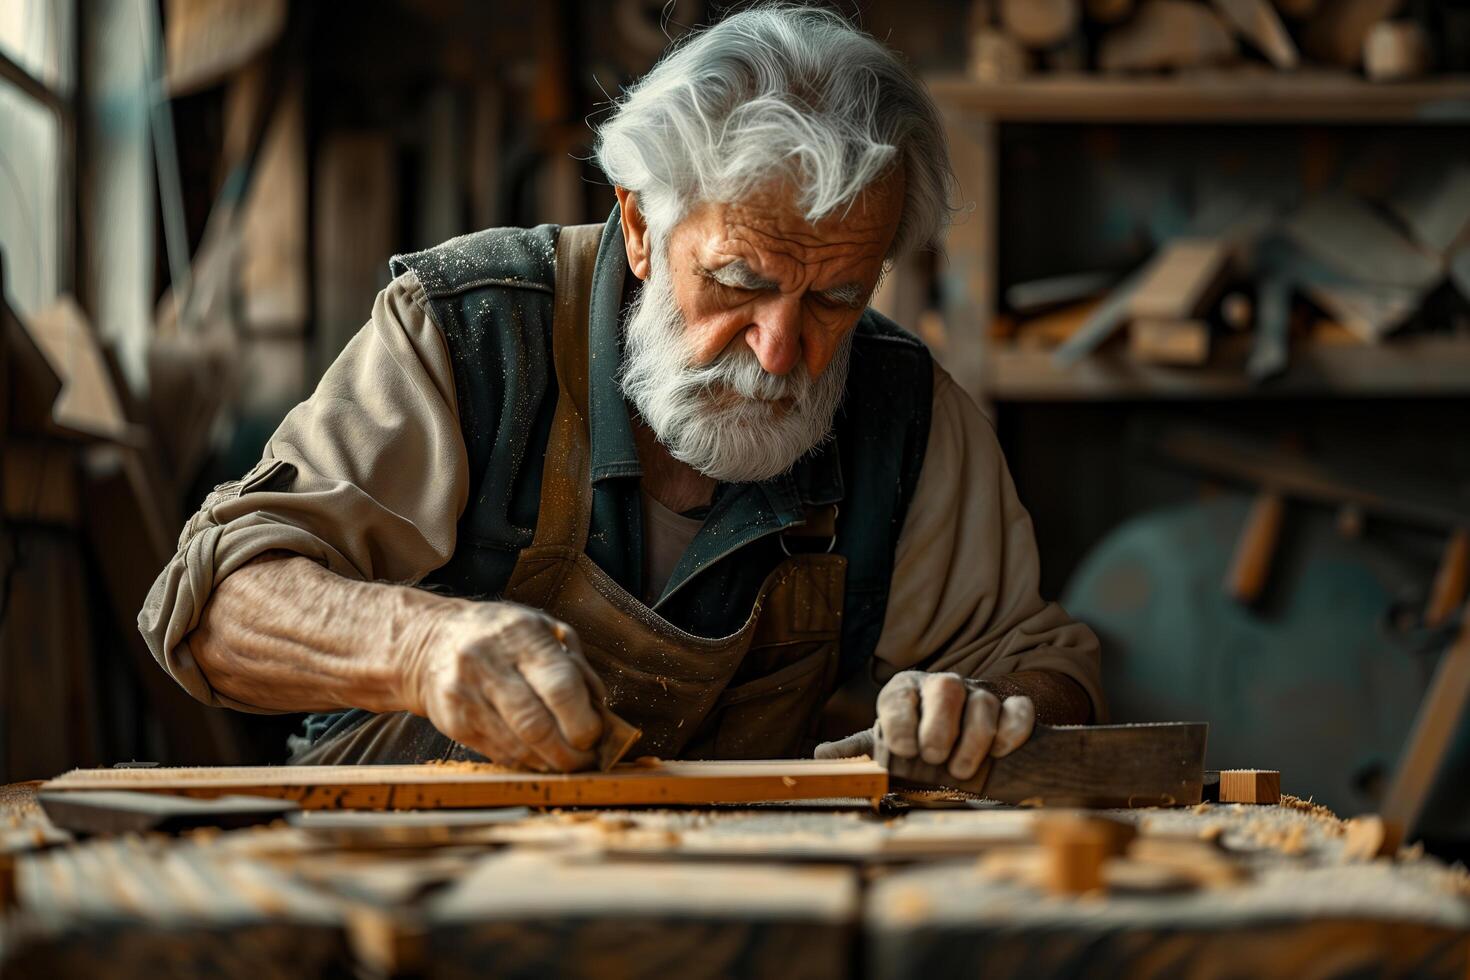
1211	281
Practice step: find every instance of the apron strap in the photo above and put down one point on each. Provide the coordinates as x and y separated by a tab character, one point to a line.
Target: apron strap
566	482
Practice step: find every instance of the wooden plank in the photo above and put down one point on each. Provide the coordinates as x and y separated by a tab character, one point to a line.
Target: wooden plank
122	811
1109	315
1440	716
1182	279
482	785
1356	242
208	39
88	403
1081	765
355	211
525	915
1250	786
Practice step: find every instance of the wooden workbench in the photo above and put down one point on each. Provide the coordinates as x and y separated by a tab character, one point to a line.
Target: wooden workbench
830	890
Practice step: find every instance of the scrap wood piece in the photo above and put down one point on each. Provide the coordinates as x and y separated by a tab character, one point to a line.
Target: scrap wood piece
1370	313
1395	50
1167	34
1250	786
1184	343
1038	295
1109	315
1184	277
468	784
1368	837
1077	846
1039	23
89	403
1355	241
1081	765
1258	22
1054	328
1337	31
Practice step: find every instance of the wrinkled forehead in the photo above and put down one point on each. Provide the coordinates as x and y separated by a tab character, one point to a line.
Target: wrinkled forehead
767	226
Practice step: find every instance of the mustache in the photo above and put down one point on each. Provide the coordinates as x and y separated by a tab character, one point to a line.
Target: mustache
738	369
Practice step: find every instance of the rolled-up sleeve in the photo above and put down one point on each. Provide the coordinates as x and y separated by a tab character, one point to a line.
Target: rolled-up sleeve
965	595
368	477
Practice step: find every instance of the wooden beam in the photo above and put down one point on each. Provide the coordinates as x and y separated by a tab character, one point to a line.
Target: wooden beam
471	784
1081	765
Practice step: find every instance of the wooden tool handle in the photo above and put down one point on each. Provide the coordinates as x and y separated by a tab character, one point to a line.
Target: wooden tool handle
1254	552
1450	581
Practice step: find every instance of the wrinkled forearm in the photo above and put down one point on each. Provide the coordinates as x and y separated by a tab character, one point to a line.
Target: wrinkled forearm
1059	700
285	634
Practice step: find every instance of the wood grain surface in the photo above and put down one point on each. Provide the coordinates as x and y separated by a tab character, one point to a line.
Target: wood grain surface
482	785
1082	765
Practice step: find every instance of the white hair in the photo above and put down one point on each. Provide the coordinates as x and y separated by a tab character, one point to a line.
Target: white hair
779	91
730	419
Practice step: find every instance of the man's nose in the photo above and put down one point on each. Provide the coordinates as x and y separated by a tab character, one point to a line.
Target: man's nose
775	336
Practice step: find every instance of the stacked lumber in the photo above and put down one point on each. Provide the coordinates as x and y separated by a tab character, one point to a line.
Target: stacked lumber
1337	268
1381	38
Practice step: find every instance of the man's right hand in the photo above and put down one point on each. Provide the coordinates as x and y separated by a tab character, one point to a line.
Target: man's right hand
509	682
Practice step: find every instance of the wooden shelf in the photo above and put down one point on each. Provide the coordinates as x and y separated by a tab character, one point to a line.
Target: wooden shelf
1423	367
1221	97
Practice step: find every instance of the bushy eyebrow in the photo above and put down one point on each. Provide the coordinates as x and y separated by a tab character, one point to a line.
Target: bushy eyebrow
736	273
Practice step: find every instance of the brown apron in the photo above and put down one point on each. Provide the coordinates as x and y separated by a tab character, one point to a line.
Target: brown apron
754	694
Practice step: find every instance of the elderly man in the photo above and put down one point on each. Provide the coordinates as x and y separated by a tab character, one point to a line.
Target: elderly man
535	489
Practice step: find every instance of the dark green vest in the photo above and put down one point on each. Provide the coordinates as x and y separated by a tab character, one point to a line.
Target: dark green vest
490	293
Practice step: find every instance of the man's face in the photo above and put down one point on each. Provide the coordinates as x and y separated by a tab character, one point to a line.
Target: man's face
737	344
757	274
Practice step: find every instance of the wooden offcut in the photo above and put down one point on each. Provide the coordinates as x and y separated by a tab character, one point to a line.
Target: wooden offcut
1255	551
1080	765
1395	50
1182	279
1250	786
1167	34
467	784
1181	342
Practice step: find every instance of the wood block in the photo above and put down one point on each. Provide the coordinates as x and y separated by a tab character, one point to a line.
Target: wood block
89	402
995	57
1335	34
1395	50
1357	242
1181	342
1369	313
1077	846
1182	279
1081	765
1250	786
1039	23
467	784
1370	837
1258	22
1167	34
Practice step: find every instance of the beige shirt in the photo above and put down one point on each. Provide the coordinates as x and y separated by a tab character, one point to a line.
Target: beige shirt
369	477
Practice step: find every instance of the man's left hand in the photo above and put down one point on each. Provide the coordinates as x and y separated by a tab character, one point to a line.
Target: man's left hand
944	719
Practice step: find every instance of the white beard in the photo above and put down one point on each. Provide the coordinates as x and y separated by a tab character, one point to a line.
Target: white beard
730	419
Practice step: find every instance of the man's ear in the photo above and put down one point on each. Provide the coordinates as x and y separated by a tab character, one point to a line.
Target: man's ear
635	232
